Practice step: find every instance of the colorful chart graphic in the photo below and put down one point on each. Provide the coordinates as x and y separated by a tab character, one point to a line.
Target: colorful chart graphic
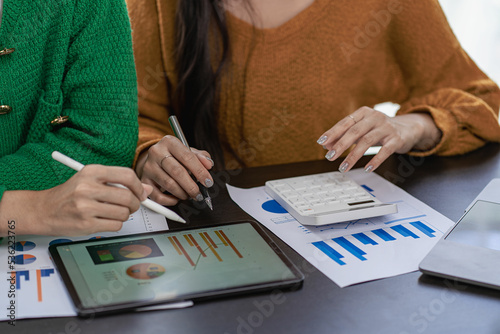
373	238
145	271
135	251
59	241
273	207
40	273
25	259
24	246
124	251
105	255
19	274
203	252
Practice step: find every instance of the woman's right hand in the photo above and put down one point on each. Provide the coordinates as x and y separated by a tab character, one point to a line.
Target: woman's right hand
166	166
84	204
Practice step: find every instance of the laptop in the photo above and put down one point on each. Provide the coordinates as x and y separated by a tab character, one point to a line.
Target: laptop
470	251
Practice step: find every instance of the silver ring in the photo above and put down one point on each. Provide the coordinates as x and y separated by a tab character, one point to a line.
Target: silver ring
352	117
165	157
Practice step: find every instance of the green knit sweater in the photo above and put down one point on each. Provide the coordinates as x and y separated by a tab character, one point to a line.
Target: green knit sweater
72	58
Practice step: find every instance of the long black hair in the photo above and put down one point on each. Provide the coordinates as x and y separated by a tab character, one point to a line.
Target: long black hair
200	28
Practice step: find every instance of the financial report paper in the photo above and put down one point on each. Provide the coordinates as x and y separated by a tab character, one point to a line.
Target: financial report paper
360	250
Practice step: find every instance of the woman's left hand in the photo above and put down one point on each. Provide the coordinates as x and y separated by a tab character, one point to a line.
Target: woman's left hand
367	127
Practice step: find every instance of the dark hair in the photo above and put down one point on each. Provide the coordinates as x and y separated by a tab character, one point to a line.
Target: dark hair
200	23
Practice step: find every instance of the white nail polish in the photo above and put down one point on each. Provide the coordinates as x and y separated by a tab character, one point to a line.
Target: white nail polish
322	140
211	161
330	155
369	169
208	183
343	167
199	197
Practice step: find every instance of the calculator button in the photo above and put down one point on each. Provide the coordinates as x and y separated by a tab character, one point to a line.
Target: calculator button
290	195
315	201
330	198
363	197
310	197
303	192
298	185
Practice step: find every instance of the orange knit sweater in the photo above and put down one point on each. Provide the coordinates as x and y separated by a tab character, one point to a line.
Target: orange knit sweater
304	76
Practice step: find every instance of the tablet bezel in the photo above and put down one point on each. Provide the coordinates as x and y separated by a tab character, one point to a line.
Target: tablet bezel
293	283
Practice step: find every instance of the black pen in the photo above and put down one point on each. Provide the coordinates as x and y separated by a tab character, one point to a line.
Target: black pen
176	127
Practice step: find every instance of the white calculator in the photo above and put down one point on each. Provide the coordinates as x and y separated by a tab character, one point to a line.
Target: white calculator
326	198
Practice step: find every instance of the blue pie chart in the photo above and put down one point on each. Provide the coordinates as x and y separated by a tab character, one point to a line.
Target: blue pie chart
23	246
273	207
25	259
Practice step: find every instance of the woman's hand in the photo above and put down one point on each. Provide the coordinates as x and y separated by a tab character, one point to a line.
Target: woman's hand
84	204
166	167
367	127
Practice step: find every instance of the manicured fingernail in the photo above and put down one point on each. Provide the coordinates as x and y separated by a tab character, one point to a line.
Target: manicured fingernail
199	197
211	161
369	169
209	183
330	155
344	167
322	140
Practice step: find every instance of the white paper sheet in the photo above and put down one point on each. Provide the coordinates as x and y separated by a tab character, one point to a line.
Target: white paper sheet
37	290
361	250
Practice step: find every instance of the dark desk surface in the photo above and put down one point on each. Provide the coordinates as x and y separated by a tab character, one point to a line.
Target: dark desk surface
409	303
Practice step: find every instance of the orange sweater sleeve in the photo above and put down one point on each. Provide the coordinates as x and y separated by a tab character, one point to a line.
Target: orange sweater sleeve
152	76
443	81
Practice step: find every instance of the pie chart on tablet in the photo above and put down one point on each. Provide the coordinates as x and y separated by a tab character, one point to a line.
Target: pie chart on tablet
135	251
145	271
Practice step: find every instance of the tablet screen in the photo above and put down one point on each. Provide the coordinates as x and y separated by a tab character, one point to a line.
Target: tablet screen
170	266
480	226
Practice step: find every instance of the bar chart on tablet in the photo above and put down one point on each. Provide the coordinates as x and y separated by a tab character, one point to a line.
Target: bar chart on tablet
195	248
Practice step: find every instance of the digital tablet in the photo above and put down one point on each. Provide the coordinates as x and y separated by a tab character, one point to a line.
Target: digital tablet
470	251
112	274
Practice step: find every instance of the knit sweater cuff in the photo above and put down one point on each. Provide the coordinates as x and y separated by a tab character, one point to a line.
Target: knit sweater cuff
143	147
444	122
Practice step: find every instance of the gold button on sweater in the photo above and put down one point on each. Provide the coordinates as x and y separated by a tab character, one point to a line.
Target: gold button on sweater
73	62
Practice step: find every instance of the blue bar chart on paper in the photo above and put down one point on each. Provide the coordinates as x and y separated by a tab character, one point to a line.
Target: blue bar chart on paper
357	250
359	247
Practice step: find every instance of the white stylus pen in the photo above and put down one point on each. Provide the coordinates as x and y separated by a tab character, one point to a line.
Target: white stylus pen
67	161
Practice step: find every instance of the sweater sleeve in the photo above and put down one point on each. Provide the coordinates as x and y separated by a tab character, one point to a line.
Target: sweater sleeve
98	93
443	81
152	76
